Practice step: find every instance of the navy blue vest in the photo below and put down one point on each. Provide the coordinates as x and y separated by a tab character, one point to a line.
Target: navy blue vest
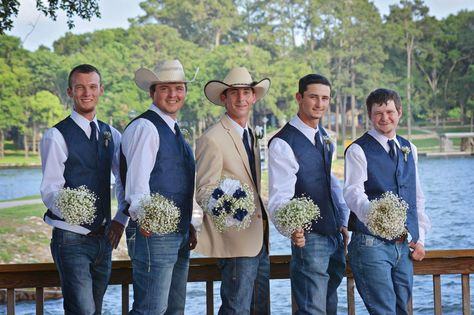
173	173
87	166
314	177
383	175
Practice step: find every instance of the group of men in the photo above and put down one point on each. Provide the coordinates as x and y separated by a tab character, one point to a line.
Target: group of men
152	157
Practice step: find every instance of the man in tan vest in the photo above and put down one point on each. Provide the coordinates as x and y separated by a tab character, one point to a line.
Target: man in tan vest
229	149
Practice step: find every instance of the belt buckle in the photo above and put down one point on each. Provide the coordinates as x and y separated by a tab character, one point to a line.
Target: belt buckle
98	232
401	239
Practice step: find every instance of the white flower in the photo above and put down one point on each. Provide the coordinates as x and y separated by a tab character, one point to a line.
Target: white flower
259	132
406	150
298	213
231	204
159	215
387	216
328	141
107	137
77	205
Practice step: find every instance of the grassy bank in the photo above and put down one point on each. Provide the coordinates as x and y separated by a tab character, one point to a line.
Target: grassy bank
25	237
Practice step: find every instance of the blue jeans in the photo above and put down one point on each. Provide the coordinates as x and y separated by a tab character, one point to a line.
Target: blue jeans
316	270
84	265
245	287
383	273
160	271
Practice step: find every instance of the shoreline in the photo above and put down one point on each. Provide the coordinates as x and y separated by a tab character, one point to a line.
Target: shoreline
20	165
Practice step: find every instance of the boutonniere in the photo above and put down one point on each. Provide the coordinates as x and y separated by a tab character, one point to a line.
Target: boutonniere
328	141
406	150
107	137
259	132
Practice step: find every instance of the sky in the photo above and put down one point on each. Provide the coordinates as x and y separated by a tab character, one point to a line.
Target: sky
115	13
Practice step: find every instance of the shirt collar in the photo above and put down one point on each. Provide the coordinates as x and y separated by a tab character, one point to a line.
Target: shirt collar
167	118
306	130
238	128
83	122
383	139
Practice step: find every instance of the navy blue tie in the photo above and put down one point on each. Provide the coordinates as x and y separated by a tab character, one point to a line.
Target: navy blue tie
93	136
250	155
391	152
318	144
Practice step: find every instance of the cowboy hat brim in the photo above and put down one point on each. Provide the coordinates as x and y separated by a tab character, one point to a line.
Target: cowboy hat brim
145	78
214	89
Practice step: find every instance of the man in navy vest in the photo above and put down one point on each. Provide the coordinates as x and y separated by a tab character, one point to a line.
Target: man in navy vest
299	163
377	162
81	150
156	159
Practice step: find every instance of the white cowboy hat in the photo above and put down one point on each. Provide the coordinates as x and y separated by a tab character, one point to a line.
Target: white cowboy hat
237	77
169	71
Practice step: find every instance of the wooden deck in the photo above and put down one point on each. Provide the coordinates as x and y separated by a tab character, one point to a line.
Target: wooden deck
40	276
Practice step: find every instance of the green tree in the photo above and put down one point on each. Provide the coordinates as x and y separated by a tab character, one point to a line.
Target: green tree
85	9
203	22
403	23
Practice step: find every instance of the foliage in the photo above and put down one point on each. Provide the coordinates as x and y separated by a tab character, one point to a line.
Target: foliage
85	9
347	41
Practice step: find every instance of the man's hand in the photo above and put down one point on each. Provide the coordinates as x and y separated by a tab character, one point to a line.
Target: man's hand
298	238
115	233
345	238
418	251
145	232
192	237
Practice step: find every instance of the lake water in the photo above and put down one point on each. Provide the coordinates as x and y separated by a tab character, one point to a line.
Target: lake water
448	184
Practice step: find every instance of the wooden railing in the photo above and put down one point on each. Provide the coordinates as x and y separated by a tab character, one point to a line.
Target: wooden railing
40	276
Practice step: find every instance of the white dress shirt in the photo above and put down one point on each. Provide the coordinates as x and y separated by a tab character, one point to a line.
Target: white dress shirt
282	169
140	145
240	129
355	174
54	154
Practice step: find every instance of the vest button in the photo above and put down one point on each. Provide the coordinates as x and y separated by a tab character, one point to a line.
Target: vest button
259	216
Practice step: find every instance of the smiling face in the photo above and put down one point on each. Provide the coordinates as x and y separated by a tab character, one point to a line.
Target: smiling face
313	103
238	103
169	97
85	91
385	118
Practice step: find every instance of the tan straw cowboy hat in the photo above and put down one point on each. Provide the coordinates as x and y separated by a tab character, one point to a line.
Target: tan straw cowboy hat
169	71
237	77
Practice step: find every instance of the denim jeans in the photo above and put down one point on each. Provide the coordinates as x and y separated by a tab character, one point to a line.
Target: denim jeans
316	270
245	287
84	265
160	271
383	273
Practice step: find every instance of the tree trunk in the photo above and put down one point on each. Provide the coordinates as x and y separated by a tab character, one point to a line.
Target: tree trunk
25	144
472	121
353	101
328	115
343	118
217	38
2	144
462	112
34	148
338	105
410	45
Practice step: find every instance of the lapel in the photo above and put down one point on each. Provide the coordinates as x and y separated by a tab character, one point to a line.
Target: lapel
238	144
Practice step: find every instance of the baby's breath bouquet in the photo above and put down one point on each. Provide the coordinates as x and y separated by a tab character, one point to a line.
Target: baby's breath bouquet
387	216
231	205
77	205
298	213
159	215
